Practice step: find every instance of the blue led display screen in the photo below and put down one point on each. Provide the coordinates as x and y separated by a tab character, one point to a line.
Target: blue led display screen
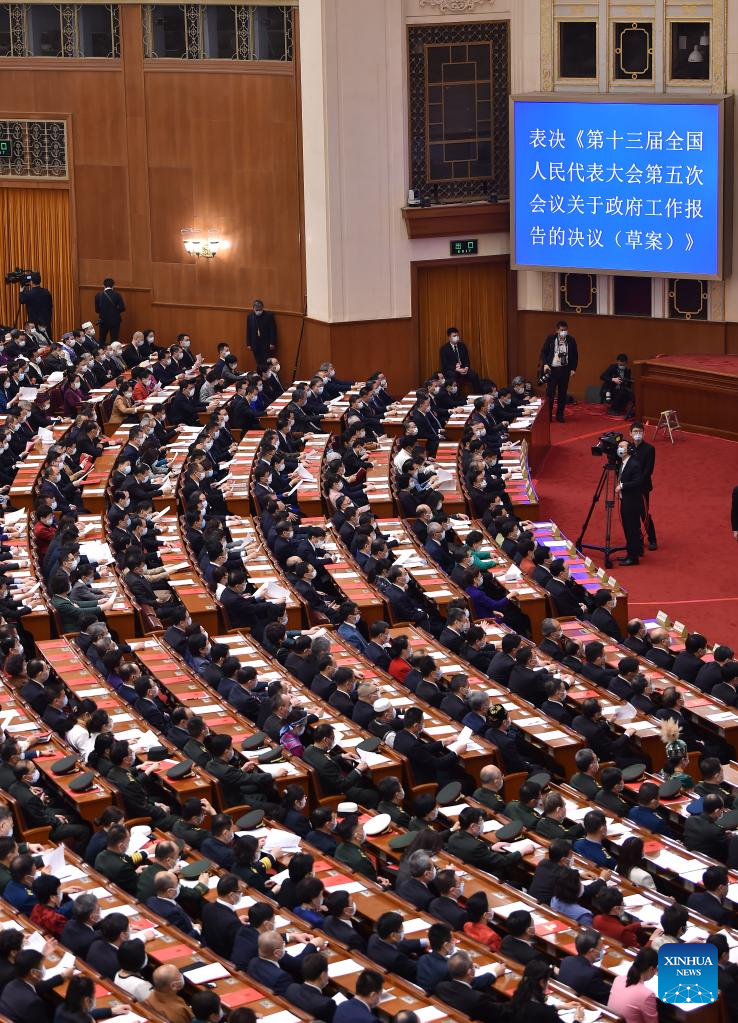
616	186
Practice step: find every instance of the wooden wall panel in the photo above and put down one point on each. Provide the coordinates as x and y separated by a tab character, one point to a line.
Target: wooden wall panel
102	228
600	338
157	146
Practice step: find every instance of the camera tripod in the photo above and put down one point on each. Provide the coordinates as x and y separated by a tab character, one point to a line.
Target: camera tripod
607	483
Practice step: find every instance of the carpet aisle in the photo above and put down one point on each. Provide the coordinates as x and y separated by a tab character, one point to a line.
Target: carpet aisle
693	576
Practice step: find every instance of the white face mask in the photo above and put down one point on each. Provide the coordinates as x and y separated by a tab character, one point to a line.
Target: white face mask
32	778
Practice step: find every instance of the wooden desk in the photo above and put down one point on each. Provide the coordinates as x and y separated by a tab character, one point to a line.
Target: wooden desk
583	570
531	596
80	678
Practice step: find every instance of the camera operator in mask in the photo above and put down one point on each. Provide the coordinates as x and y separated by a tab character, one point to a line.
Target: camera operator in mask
559	358
630	493
38	302
645	455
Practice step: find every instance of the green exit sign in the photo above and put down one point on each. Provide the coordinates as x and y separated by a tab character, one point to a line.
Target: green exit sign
465	247
4	147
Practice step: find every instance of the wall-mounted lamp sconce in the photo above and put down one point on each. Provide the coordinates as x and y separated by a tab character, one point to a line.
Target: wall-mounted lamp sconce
196	246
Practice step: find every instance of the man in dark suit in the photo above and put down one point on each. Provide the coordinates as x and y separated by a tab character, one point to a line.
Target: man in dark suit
452	636
20	1000
553	705
376	651
542	885
429	427
430	760
629	489
80	932
711	672
459	993
563	594
599	737
261	332
703	834
417	887
580	971
389	949
404	606
308	995
446	905
219	920
109	306
164	903
689	661
659	653
645	455
436	549
183	408
559	359
454	703
518	943
726	690
503	662
454	360
604	603
272	967
102	954
527	680
710	902
360	1008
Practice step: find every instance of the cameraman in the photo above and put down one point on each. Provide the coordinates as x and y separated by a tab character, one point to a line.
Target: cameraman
38	302
559	358
617	387
630	492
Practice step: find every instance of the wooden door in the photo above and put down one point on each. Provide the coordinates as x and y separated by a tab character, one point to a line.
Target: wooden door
472	296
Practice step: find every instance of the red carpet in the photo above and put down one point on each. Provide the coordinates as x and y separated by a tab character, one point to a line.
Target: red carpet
692	576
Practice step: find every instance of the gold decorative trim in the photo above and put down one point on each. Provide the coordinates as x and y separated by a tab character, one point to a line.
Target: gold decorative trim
455	6
546	46
687	313
548	291
716	301
718	47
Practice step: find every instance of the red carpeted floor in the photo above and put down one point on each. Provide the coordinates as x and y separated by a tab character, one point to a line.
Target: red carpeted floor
693	576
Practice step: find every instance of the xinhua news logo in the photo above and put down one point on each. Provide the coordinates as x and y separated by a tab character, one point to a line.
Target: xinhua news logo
688	974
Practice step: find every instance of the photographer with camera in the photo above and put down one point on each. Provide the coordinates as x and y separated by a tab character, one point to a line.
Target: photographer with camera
559	358
630	491
617	387
37	300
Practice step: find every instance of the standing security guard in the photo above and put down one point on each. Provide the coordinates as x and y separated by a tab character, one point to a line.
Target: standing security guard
630	490
645	455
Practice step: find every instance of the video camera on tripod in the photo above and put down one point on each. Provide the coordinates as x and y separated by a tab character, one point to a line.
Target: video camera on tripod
18	276
608	445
